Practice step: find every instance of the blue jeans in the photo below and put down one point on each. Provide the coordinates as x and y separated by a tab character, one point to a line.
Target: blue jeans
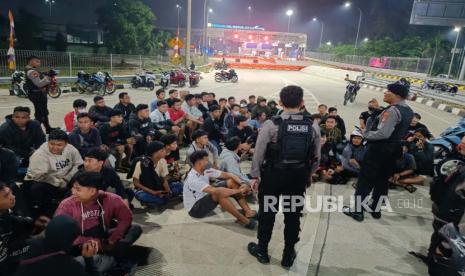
143	197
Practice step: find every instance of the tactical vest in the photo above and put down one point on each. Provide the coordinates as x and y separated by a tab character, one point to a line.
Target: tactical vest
29	85
402	128
294	148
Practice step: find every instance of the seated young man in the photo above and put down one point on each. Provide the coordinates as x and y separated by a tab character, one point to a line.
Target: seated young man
14	230
244	132
97	212
257	123
194	115
405	173
213	126
172	157
50	169
150	177
142	129
172	95
85	137
94	161
200	198
423	152
100	112
125	106
340	124
21	135
160	96
200	142
162	120
230	119
261	107
179	118
333	133
79	106
117	141
230	160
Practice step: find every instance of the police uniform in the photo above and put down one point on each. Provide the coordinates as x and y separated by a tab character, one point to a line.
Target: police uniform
279	140
383	136
35	84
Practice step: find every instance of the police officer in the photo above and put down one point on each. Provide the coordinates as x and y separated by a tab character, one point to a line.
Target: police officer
286	153
383	135
36	83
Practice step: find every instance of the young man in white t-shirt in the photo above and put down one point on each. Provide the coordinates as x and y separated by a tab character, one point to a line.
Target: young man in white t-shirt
200	198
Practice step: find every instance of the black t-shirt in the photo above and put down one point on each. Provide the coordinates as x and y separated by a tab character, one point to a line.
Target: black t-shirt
243	134
113	136
364	116
213	127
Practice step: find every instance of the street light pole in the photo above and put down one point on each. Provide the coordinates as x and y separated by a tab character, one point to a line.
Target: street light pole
179	9
322	29
457	29
358	30
289	13
250	13
205	14
188	33
50	3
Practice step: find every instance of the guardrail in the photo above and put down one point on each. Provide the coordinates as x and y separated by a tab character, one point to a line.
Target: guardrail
427	93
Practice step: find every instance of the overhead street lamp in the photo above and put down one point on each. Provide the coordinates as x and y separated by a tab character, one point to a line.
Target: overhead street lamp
366	39
289	13
457	30
315	19
348	5
50	3
250	13
178	7
329	43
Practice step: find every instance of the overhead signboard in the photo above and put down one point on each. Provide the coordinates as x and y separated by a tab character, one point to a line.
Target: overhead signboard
438	12
235	27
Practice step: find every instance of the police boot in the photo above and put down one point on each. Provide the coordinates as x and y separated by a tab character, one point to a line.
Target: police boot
260	253
358	216
289	256
375	213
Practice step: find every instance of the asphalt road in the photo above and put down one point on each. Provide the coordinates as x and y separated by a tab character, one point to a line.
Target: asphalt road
331	244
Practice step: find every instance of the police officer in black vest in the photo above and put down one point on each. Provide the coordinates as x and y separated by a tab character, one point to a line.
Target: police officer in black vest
286	153
383	135
36	83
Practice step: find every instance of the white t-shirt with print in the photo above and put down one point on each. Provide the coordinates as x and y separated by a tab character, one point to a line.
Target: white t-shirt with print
194	185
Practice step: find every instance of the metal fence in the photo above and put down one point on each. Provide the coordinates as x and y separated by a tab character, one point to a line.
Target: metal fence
417	65
70	63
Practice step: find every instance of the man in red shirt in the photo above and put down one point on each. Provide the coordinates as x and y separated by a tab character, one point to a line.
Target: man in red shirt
79	106
178	117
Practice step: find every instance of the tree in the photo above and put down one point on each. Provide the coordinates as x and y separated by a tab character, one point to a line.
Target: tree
128	25
60	42
161	42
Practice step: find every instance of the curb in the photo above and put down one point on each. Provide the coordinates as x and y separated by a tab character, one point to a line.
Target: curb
426	101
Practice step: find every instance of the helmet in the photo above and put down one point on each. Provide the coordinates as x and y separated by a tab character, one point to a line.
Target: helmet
452	248
356	133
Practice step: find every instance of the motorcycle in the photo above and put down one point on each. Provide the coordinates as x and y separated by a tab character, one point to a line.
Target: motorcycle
18	79
194	78
90	83
175	77
53	89
110	86
446	157
230	75
144	80
351	91
221	66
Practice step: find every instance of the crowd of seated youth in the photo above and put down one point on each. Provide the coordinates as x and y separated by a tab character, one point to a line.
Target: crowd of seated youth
70	178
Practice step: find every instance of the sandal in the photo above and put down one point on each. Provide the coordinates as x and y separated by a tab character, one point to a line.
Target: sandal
410	188
254	217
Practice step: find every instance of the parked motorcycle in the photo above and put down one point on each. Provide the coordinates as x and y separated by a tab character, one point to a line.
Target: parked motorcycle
110	86
230	75
446	157
18	79
194	78
87	83
175	77
147	79
351	91
53	89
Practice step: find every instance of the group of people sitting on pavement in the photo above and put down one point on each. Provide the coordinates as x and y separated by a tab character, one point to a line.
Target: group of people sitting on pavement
342	156
70	181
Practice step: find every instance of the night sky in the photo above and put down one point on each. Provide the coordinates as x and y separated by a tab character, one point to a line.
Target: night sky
340	23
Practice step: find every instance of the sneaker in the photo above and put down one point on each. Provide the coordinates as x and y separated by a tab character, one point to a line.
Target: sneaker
289	256
251	225
254	250
358	216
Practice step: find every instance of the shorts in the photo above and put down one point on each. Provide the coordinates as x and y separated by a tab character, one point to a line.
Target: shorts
203	206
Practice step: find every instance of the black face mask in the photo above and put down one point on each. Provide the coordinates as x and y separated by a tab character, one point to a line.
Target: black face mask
370	108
